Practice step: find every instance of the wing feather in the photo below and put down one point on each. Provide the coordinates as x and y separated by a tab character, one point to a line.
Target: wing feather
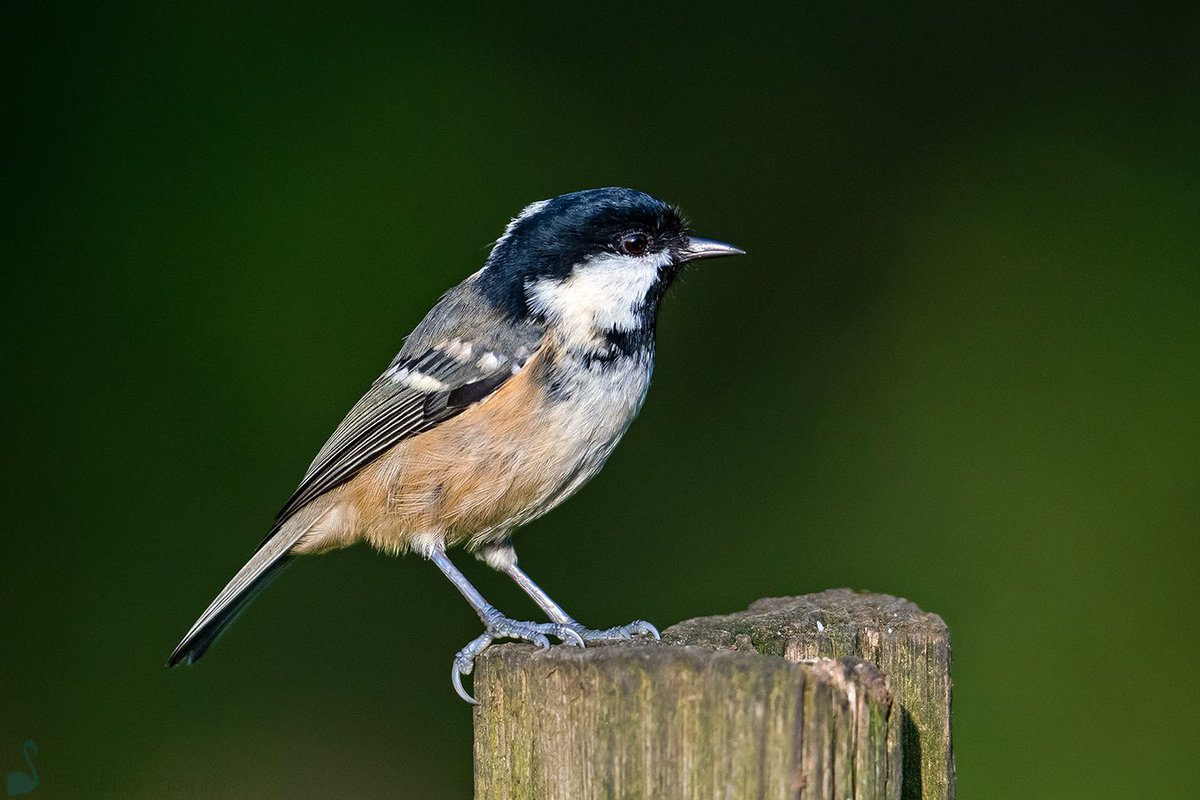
389	413
460	354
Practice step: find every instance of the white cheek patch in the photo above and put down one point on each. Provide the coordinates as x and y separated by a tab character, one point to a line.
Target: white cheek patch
604	293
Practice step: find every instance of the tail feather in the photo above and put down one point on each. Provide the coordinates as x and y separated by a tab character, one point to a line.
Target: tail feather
233	599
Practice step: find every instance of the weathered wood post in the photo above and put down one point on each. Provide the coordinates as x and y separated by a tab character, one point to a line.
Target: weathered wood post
832	695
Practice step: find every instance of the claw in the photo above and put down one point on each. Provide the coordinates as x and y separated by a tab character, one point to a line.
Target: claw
620	633
645	627
456	678
497	626
576	639
464	663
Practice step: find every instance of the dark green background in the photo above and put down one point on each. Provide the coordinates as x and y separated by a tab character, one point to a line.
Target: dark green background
960	364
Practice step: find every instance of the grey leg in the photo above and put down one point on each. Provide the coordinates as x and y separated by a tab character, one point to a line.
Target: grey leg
504	558
495	624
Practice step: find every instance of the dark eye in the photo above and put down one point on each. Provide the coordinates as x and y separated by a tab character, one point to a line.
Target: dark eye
633	244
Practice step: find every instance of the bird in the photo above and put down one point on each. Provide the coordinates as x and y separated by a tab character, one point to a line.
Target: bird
504	401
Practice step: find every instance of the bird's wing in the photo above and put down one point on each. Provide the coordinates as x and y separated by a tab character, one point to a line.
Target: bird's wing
455	358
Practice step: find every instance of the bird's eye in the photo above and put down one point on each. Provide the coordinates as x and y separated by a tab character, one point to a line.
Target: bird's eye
633	244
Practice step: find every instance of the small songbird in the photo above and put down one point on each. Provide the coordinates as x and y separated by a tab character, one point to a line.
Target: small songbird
504	401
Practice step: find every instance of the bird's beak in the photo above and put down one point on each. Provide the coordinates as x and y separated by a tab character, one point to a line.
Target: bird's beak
698	248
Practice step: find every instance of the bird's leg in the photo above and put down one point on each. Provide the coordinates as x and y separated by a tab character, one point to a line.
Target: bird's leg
503	557
495	625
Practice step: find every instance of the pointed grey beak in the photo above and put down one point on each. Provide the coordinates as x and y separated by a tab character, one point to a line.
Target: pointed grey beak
708	248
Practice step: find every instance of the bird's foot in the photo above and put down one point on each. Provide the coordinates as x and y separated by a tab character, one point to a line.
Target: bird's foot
635	628
498	626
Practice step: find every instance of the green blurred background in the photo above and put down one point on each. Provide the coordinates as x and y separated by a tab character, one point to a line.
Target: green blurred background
960	363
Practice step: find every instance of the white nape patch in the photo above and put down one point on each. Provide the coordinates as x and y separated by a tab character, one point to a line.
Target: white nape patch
489	362
603	293
414	379
525	214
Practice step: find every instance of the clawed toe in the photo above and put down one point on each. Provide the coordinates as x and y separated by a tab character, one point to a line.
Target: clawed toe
641	626
456	676
569	635
498	626
464	663
622	632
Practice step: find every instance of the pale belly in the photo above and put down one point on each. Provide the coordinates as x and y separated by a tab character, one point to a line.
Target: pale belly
498	465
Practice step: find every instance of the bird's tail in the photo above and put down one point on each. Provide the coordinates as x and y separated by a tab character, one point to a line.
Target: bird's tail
237	594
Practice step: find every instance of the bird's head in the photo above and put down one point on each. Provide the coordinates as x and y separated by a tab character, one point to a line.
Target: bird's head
598	259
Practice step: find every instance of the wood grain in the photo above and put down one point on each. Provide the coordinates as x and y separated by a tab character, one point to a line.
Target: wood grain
738	706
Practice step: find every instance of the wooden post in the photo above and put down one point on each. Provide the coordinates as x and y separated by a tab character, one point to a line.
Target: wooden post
908	645
773	702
